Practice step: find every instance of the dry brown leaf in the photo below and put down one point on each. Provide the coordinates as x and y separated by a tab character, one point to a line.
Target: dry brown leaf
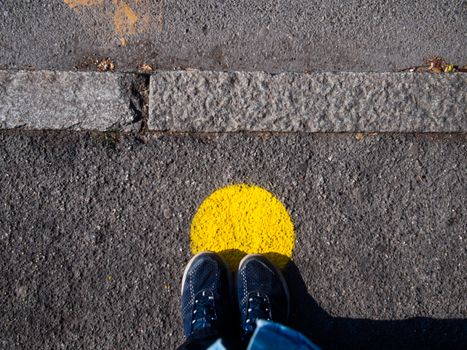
105	65
359	136
436	64
146	68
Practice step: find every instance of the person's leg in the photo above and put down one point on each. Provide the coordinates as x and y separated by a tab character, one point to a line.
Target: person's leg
274	336
205	302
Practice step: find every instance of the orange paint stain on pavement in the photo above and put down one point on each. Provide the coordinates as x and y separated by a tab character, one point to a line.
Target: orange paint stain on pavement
125	20
75	3
124	15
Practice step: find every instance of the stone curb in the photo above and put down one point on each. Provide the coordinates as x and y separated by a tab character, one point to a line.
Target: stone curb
205	101
319	102
70	100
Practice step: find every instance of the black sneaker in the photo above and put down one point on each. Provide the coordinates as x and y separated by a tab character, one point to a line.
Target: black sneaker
262	293
205	302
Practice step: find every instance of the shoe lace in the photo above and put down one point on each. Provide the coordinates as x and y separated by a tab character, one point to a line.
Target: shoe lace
258	307
204	312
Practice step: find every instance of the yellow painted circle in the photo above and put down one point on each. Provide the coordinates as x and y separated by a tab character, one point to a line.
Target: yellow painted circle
243	219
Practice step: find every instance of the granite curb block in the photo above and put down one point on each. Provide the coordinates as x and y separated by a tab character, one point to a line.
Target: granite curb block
204	101
70	100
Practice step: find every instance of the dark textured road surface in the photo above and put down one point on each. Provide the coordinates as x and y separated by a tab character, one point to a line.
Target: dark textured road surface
94	234
274	36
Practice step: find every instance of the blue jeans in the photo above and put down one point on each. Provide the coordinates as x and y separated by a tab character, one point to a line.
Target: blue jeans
273	336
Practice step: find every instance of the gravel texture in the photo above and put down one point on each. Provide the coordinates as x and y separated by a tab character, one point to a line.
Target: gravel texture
71	100
319	102
94	234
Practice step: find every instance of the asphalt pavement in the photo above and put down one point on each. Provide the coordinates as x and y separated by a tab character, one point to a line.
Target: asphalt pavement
260	35
303	98
95	234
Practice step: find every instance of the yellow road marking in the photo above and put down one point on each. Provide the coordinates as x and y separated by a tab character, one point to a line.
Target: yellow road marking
243	219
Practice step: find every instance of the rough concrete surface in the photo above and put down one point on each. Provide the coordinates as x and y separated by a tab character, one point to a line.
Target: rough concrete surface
274	36
94	234
70	100
320	102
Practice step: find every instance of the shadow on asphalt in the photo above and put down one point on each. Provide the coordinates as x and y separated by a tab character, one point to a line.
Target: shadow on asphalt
346	333
331	332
